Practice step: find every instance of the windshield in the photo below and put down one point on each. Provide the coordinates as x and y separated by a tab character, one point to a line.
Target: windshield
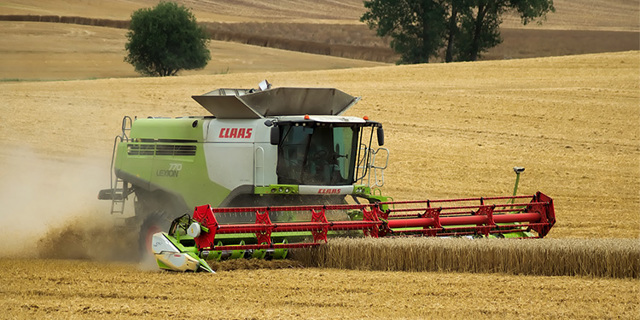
317	155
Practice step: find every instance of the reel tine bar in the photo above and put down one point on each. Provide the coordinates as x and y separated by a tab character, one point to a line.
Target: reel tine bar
456	217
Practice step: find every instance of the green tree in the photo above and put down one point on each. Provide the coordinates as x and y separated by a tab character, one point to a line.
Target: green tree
420	28
166	39
479	28
416	27
454	9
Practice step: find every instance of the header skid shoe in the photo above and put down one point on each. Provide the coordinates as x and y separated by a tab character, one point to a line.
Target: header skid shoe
170	257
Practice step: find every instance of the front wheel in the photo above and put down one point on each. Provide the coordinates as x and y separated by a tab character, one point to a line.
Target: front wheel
152	224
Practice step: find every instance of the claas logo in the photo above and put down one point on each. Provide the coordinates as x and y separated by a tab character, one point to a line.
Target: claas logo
235	133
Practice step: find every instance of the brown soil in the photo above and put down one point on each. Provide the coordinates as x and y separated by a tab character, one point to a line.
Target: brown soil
359	42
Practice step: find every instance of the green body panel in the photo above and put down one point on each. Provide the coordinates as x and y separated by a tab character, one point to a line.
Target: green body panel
168	155
168	129
155	159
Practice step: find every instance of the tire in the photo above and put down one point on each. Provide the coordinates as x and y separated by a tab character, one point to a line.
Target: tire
154	213
152	223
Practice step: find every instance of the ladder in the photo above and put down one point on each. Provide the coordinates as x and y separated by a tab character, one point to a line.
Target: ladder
119	188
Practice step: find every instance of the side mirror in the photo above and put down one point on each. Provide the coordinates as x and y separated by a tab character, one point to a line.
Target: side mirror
275	136
380	133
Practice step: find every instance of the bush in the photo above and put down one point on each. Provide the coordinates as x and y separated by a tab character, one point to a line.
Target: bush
166	39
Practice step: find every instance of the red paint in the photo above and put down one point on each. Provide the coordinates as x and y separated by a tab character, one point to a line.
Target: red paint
235	133
329	191
452	217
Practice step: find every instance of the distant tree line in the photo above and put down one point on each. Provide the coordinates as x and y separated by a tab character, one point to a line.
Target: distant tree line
421	29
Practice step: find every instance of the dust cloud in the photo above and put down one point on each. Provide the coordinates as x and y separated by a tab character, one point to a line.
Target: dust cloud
49	209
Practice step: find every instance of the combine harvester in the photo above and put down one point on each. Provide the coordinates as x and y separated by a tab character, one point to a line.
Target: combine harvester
281	168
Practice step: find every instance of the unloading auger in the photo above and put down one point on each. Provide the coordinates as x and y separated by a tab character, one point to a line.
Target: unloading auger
192	240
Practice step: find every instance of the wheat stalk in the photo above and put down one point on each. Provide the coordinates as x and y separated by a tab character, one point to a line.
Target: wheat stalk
615	258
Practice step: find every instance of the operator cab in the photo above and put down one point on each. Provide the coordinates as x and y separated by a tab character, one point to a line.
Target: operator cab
315	151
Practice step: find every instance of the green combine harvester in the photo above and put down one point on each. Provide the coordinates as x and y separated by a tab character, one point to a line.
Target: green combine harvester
272	169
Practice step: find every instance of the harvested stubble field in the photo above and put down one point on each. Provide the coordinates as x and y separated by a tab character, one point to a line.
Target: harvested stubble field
306	26
570	14
454	131
57	51
53	288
